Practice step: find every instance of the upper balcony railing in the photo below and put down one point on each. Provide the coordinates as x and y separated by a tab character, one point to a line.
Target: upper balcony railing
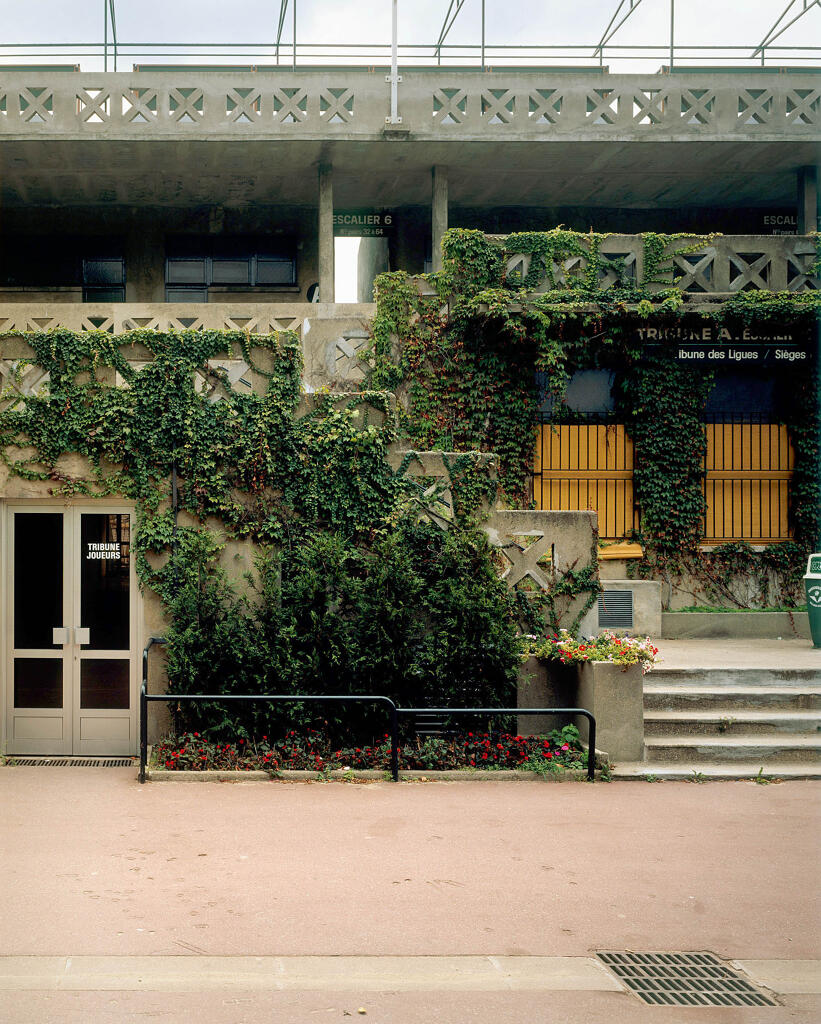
118	54
441	103
729	264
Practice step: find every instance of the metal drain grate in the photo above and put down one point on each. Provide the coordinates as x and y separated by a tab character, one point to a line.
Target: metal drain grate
683	979
71	762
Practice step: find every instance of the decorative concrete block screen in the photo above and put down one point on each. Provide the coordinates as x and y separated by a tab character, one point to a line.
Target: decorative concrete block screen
537	548
727	265
529	104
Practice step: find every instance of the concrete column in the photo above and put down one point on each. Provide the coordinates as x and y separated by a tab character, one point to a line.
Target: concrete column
326	233
145	259
439	213
807	200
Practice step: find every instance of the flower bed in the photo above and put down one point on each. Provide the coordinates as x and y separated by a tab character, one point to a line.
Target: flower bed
473	750
607	647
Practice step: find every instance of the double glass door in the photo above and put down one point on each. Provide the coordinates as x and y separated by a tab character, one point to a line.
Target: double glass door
71	682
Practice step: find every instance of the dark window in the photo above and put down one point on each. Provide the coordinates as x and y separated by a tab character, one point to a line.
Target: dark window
231	271
186	271
588	395
65	261
103	280
186	294
193	264
735	393
275	270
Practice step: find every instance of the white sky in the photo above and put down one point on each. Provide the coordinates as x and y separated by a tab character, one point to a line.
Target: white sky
739	22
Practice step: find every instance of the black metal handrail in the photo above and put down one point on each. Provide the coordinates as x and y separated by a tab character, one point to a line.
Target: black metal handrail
591	745
174	698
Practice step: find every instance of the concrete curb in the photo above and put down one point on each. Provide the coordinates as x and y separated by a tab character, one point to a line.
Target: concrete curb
369	775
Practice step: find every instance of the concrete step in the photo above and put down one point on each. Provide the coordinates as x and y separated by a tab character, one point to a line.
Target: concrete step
762	748
714	771
666	697
729	721
715	677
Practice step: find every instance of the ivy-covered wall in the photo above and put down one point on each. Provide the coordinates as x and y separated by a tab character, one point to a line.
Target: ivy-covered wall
462	349
348	580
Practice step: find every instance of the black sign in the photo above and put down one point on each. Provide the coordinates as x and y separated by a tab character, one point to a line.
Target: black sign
708	345
747	355
364	223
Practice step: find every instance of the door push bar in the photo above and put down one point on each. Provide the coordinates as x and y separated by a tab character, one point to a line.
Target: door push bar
62	635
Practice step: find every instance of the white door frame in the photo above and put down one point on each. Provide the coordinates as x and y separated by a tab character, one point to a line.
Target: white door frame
84	731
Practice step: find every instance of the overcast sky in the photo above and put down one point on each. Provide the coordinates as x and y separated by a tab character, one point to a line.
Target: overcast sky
369	21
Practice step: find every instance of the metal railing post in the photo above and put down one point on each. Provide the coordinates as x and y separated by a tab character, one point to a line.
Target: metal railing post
394	743
144	705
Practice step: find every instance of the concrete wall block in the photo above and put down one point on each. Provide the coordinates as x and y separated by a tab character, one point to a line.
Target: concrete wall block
331	351
376	408
542	545
544	685
646	606
614	695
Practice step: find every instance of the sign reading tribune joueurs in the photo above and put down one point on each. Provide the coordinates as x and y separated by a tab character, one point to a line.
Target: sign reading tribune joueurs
706	344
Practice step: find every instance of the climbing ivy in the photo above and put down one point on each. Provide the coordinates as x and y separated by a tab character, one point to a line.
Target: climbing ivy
463	349
360	584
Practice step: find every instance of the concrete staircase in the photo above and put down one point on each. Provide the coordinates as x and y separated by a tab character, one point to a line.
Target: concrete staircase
730	723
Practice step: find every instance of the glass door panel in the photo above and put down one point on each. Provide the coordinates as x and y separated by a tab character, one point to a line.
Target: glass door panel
38	682
70	632
39	701
105	722
38	579
105	580
104	684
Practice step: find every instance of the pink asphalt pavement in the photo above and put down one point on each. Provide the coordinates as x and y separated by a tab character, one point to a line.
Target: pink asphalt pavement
95	864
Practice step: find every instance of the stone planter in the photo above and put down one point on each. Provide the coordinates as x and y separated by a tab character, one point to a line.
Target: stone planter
613	694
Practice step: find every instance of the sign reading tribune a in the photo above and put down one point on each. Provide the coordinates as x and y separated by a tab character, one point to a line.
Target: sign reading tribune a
717	344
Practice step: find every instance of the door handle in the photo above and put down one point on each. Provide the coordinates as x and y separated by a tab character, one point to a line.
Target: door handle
61	635
82	635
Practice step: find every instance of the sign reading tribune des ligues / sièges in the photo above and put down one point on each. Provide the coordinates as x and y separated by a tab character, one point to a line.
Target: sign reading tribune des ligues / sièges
711	344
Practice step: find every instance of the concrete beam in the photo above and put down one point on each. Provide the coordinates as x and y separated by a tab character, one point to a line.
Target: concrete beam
326	233
439	213
807	200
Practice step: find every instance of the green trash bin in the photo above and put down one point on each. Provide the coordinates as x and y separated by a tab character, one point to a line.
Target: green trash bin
812	585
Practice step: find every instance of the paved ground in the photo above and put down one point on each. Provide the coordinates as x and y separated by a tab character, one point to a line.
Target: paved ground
764	654
97	866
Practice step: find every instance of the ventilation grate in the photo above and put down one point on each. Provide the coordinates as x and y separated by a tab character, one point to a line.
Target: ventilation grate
616	609
71	762
683	979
